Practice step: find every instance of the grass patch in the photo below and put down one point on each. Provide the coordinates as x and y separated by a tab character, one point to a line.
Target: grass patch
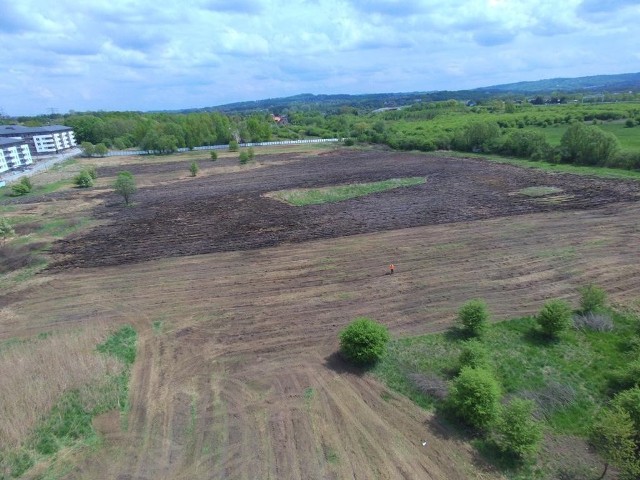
69	380
316	196
569	380
539	191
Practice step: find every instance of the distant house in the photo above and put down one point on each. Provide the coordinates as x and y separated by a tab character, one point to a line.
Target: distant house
280	120
14	153
41	140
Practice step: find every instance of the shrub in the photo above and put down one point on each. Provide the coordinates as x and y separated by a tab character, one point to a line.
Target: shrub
476	136
125	185
629	123
554	318
349	142
598	322
93	173
592	298
516	433
6	229
474	355
612	435
364	341
22	187
629	401
233	146
588	145
474	397
193	168
473	317
244	157
251	153
83	180
214	155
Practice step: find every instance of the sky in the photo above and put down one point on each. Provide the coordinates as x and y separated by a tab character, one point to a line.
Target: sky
87	55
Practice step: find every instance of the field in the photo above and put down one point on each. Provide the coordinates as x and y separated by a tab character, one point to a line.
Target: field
238	298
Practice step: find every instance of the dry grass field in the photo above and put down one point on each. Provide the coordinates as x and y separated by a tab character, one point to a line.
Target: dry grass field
238	302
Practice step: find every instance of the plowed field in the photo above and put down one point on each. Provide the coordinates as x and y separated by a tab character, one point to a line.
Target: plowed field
239	307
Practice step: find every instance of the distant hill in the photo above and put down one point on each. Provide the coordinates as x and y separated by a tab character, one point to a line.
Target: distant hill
611	83
368	102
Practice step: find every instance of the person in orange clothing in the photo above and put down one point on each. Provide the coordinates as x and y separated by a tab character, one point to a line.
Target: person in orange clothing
392	267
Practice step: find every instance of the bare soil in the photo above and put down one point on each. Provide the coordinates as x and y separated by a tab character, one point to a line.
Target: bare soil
237	376
228	212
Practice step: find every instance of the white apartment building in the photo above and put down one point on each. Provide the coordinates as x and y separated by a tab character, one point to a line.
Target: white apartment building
14	153
42	140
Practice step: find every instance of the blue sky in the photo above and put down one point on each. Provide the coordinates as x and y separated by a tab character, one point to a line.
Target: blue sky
153	55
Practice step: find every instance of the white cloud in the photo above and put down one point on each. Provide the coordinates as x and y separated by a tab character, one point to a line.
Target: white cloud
144	54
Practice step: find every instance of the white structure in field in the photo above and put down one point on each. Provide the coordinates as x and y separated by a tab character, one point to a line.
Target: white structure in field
41	140
14	153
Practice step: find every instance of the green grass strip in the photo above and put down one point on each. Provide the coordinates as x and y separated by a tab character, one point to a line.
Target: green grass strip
316	196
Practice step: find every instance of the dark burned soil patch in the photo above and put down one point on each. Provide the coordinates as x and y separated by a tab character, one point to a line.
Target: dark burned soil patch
229	212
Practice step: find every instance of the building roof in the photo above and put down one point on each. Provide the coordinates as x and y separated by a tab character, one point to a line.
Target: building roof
16	130
7	142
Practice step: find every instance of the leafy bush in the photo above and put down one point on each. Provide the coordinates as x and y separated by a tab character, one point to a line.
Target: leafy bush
125	185
214	155
476	136
524	143
585	145
93	173
193	168
474	397
473	317
22	187
233	146
629	401
516	433
474	355
348	142
244	157
83	180
592	298
612	435
364	341
554	318
6	229
251	153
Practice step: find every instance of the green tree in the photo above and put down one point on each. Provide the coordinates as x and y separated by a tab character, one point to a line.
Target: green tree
364	341
6	229
629	401
476	136
251	153
612	435
592	298
588	145
474	355
554	318
193	168
88	149
233	146
244	157
214	155
515	432
101	149
474	397
93	173
83	179
125	185
473	317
